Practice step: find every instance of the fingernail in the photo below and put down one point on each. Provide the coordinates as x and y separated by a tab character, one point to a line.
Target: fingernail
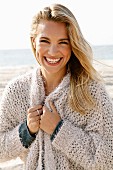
39	111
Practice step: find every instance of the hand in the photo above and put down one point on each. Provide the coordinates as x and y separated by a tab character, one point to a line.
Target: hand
49	120
33	118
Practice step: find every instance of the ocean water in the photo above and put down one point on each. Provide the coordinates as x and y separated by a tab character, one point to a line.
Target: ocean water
19	57
103	52
16	57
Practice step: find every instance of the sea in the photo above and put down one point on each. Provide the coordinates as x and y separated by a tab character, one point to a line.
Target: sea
25	57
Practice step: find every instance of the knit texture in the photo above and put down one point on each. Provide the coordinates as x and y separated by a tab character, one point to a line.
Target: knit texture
84	142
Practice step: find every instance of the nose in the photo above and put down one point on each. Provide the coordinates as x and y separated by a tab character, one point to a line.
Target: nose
53	50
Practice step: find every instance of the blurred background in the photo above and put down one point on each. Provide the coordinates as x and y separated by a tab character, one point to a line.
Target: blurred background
94	18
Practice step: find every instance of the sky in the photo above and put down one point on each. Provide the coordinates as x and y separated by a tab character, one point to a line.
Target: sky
94	18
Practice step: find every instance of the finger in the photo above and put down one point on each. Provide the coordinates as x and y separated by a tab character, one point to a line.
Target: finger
31	121
40	119
35	119
52	106
40	111
32	109
33	114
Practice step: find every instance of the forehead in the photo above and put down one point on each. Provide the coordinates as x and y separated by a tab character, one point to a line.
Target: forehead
51	28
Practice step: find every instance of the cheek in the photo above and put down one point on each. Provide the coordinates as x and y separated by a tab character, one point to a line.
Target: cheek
66	51
37	55
67	54
38	49
38	52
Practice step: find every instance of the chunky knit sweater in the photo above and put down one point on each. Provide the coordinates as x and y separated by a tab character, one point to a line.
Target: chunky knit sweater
83	142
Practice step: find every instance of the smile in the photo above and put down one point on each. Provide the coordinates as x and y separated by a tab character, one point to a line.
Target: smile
52	61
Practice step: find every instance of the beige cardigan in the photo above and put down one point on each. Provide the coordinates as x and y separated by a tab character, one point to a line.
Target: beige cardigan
84	142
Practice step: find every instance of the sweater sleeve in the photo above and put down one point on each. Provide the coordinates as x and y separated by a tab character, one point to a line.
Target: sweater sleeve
90	147
25	137
10	143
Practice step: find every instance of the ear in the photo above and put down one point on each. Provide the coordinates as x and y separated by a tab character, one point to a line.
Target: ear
33	42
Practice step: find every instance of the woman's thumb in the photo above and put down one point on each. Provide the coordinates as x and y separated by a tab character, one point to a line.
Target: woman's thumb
52	106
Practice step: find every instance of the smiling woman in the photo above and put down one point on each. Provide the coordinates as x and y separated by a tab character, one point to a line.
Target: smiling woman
53	51
58	116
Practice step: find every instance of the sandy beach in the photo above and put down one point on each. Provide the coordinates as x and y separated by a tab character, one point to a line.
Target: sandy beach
104	67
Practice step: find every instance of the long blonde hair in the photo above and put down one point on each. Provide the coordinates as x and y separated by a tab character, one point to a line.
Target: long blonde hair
80	63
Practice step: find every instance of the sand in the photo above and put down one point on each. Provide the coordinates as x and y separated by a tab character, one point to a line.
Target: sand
104	67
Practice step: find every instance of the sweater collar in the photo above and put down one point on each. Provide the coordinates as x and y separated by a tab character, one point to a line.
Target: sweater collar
37	94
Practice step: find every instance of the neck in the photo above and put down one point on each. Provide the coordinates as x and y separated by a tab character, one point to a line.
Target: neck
51	81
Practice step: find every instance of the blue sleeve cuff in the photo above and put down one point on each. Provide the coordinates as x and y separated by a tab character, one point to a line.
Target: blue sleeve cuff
25	137
56	130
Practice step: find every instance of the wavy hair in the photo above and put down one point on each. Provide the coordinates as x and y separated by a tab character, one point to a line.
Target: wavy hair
80	63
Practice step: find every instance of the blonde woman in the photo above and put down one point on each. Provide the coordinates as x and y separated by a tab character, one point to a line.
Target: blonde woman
58	116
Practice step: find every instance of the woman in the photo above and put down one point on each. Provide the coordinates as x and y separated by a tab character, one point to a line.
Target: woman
59	116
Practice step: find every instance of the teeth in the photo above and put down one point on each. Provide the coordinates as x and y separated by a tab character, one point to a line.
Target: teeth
52	60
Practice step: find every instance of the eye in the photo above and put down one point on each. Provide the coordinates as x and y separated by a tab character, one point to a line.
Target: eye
64	42
44	41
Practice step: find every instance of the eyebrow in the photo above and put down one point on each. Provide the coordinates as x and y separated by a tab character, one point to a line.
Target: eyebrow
62	39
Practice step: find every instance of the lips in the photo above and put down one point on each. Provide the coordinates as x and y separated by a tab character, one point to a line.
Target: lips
52	61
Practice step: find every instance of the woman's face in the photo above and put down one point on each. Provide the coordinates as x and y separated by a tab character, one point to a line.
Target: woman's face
53	49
